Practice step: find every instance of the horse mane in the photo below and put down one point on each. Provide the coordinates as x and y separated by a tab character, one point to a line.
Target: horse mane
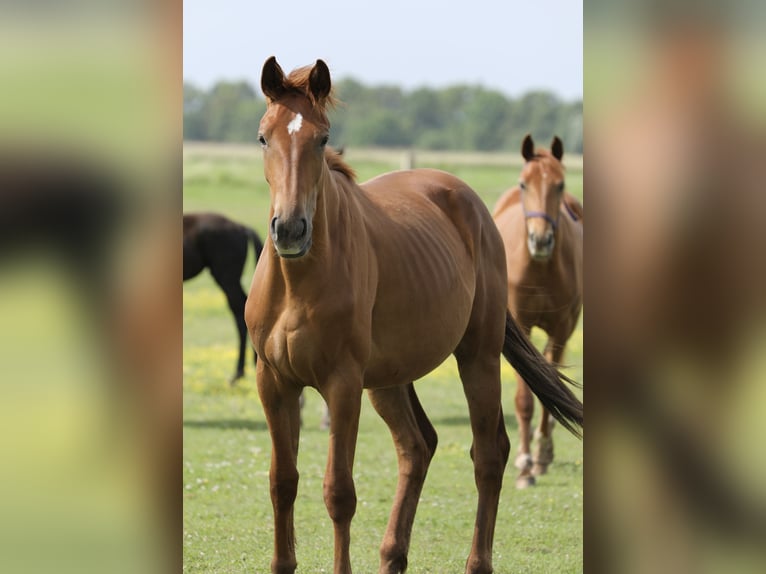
297	82
335	162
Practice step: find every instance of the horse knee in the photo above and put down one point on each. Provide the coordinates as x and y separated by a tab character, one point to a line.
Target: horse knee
504	443
489	470
340	500
284	491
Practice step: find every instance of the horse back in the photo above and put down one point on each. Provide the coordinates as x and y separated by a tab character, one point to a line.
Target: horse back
429	192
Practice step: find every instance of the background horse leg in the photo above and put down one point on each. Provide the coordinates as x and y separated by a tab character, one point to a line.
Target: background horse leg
525	408
344	399
543	450
283	416
480	374
229	281
415	441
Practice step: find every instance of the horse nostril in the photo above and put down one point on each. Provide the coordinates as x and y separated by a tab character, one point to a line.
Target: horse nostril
305	226
274	225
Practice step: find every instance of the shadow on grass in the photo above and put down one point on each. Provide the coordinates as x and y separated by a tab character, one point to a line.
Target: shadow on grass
227	424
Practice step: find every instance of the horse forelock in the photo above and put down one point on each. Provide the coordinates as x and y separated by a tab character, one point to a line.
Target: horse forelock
545	154
297	83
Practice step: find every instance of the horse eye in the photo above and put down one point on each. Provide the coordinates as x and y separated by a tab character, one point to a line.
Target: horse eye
560	187
523	186
324	140
262	140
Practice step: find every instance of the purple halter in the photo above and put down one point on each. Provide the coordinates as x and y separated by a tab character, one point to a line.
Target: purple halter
554	222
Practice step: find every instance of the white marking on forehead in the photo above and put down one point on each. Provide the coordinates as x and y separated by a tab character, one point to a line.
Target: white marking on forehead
295	124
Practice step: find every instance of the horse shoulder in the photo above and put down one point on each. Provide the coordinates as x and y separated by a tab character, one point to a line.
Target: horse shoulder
510	198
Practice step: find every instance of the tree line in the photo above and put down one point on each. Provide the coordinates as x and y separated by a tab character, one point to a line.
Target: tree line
460	117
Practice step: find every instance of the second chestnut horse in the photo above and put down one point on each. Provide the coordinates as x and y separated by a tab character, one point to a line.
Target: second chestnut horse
541	225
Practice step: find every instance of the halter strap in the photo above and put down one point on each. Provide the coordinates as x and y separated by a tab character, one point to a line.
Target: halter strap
571	213
554	222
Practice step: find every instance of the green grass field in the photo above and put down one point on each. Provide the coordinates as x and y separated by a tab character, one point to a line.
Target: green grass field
227	510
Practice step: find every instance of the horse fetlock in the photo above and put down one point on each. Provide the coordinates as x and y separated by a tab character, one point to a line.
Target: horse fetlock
283	566
476	565
543	453
523	461
393	559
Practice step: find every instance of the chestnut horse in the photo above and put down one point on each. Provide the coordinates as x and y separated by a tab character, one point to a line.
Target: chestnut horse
541	226
371	287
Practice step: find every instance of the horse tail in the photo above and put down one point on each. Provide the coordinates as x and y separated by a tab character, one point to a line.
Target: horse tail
545	381
256	241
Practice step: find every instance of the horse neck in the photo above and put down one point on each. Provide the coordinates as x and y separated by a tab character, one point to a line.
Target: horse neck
335	205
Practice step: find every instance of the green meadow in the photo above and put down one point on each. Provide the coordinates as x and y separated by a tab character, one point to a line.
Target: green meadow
227	509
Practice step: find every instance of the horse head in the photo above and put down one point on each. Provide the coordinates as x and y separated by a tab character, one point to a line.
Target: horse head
293	133
542	189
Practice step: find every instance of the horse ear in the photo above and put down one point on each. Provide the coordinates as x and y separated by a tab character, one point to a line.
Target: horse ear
272	79
557	148
528	148
319	81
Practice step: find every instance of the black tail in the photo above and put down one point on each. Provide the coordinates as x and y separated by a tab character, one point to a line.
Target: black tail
545	381
257	245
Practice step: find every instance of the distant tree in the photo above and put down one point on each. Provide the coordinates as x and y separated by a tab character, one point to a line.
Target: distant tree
223	110
459	117
486	113
194	102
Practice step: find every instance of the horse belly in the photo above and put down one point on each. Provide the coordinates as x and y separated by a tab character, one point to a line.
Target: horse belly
413	334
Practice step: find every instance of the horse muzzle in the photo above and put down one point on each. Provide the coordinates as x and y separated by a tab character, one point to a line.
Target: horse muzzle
291	236
541	247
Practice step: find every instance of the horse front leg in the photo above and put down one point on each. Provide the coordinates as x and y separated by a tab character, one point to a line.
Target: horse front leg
542	455
282	408
344	396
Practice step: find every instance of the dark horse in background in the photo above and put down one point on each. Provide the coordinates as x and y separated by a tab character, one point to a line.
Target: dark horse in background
215	242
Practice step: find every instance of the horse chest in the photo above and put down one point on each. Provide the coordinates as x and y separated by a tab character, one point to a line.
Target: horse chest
289	345
305	345
548	300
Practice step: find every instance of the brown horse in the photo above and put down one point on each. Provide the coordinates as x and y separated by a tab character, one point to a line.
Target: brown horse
541	226
371	287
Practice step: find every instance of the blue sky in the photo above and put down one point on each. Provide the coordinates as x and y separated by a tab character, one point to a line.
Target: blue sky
506	45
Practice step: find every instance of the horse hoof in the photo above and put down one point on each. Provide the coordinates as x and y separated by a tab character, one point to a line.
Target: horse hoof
539	469
525	481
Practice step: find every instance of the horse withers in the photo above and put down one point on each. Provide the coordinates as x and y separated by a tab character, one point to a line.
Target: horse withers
541	225
217	243
371	287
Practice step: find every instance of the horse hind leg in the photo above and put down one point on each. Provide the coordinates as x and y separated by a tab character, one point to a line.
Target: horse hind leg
415	440
236	298
490	450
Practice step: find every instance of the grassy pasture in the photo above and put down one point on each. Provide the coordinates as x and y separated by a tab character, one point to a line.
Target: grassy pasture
227	510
